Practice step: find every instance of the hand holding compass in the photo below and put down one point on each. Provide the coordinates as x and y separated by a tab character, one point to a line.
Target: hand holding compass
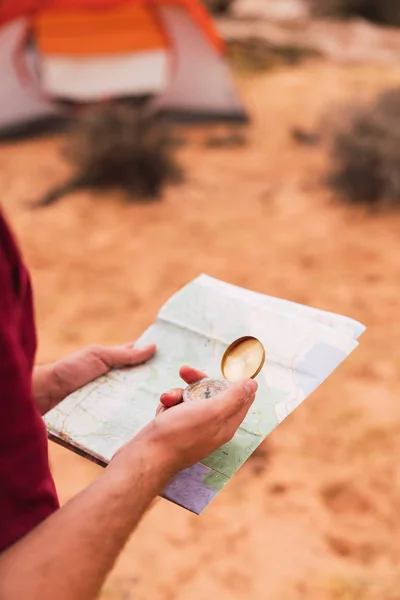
243	359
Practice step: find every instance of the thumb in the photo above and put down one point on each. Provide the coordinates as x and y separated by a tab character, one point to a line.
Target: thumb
236	398
127	355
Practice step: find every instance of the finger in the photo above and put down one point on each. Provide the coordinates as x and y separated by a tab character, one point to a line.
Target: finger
171	398
141	355
228	408
191	375
231	425
238	418
174	396
126	355
236	399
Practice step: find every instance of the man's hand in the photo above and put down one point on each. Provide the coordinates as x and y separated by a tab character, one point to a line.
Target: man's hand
52	383
184	433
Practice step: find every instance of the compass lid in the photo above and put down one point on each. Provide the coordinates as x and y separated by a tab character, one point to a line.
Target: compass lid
243	359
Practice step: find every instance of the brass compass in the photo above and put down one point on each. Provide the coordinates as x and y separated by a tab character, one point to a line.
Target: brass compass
243	359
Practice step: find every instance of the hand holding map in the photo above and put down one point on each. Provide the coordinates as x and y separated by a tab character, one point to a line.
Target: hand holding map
303	347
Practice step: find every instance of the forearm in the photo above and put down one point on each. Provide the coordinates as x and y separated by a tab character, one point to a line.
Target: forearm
69	555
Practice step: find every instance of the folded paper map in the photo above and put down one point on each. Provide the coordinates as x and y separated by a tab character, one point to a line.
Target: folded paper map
194	327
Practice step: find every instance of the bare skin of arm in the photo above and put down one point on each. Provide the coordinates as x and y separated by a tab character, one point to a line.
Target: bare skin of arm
70	554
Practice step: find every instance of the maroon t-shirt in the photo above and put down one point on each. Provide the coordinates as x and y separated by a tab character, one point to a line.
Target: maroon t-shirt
27	492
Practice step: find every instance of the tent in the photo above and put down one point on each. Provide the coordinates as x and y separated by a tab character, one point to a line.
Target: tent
54	52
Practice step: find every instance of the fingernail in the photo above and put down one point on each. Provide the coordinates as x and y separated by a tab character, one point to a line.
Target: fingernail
251	387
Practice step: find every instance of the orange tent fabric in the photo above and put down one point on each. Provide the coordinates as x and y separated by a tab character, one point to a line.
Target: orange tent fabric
126	28
13	9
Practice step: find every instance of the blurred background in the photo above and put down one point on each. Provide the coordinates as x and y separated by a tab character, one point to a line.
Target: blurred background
142	145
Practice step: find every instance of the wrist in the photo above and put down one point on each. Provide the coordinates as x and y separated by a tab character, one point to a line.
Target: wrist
144	461
42	384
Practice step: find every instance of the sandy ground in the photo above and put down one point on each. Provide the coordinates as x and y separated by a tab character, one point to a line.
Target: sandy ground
315	514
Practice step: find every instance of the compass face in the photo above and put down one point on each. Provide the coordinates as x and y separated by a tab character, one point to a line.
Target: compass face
203	389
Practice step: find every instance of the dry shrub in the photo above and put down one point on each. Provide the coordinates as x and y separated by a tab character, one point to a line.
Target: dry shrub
119	145
254	54
380	11
365	153
218	7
